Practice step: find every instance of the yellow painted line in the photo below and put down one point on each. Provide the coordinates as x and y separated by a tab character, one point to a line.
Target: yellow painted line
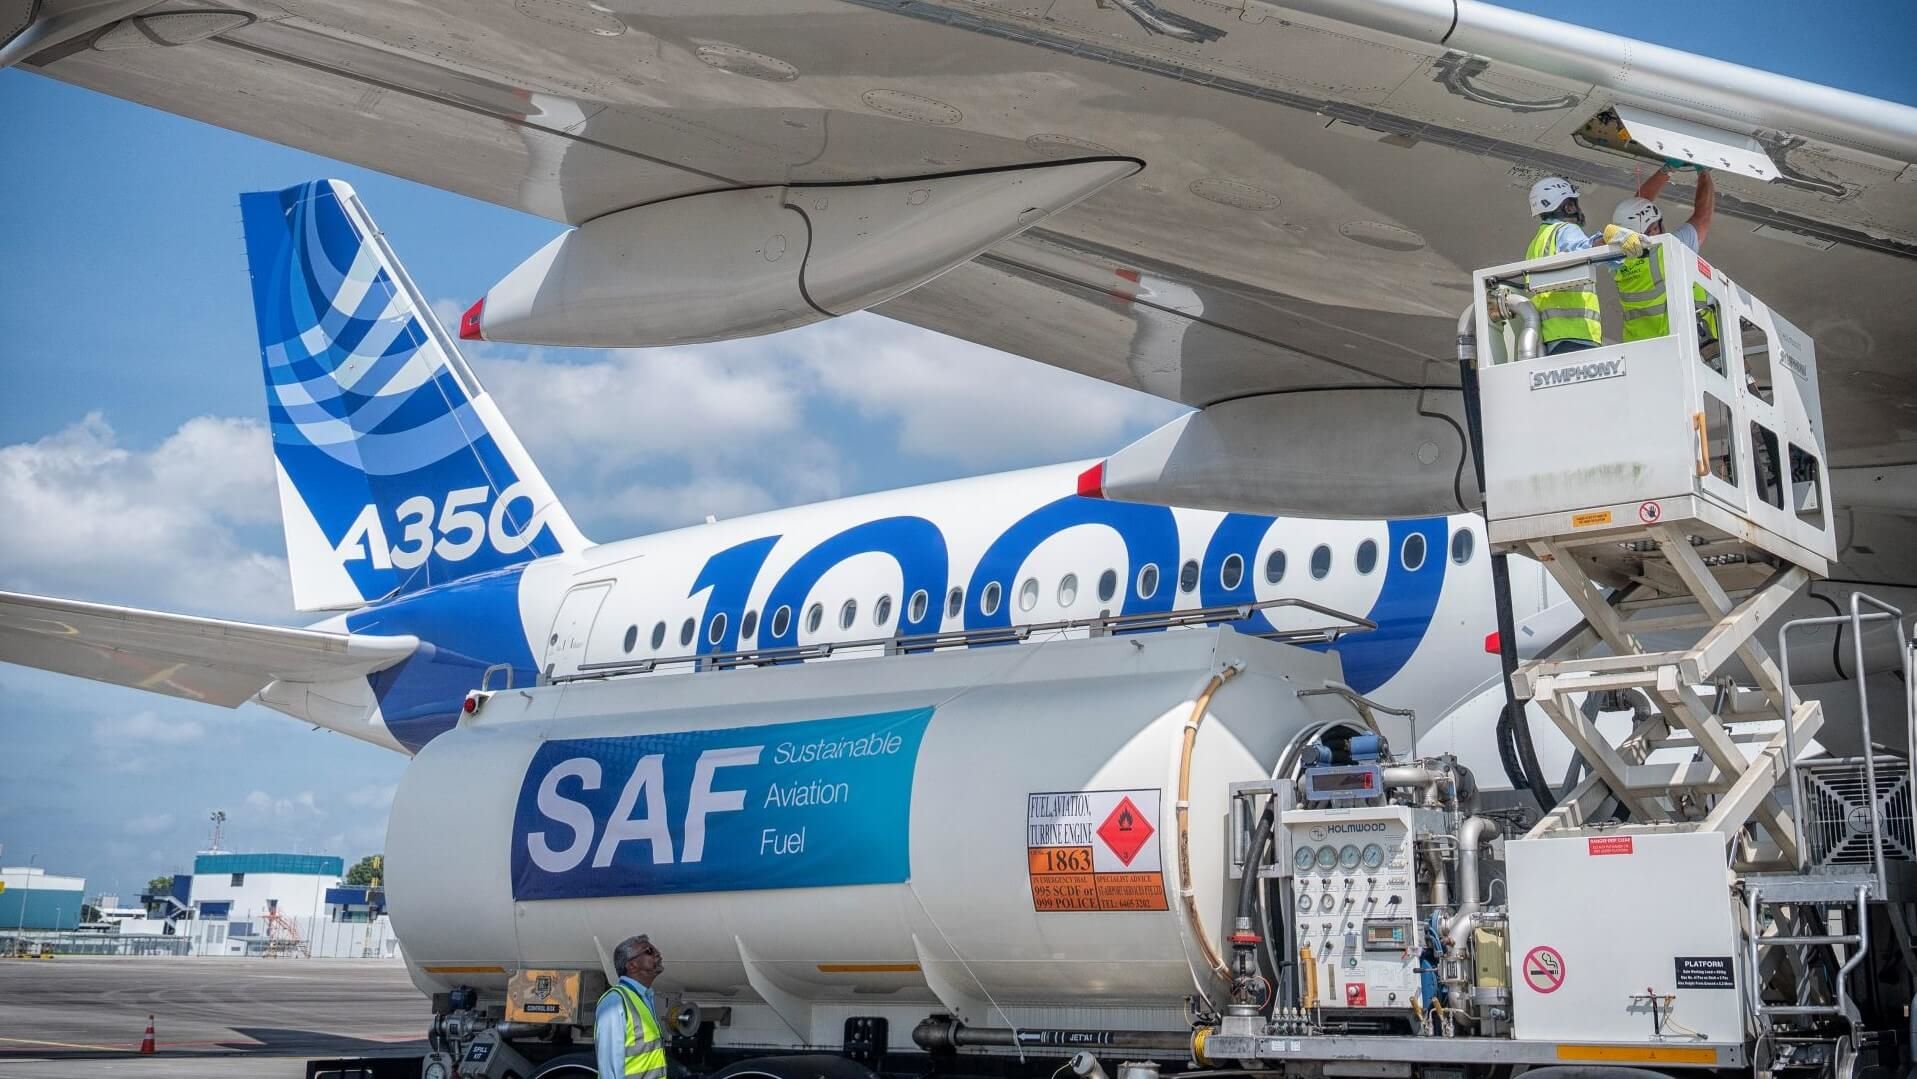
868	968
464	970
69	1045
1655	1054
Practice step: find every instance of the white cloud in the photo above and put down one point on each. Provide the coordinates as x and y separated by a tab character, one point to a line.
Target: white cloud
372	796
960	402
302	804
147	727
149	824
157	527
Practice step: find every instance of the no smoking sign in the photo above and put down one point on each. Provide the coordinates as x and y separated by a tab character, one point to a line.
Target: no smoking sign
1543	969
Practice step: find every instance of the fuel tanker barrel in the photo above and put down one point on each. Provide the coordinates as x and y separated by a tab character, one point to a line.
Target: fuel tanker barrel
984	831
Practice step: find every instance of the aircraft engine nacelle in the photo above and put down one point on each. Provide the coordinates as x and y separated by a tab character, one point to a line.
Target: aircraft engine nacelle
1352	453
737	263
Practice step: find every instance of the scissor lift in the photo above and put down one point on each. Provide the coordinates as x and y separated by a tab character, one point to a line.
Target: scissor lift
1667	484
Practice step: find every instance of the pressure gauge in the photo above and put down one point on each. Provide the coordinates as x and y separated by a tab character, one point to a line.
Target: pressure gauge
1325	904
1348	856
1327	857
1373	856
1302	857
1305	902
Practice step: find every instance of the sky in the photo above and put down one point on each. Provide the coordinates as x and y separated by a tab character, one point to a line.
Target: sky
134	467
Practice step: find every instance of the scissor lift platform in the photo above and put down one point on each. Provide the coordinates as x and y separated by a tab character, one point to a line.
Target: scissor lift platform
1668	484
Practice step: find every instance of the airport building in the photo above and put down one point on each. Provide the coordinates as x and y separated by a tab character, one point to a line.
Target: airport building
32	898
268	904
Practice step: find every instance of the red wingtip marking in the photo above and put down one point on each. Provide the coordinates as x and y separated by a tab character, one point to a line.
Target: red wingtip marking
1091	482
469	322
1493	644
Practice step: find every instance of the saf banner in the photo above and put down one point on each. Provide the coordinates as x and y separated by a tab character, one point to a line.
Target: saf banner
789	805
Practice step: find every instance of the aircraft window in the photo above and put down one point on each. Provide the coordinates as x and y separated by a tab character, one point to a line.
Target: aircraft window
1148	580
781	621
1068	590
749	624
1232	573
1367	556
882	611
632	637
658	636
716	629
954	602
916	608
1411	552
1107	585
1028	594
1188	575
814	615
848	613
1274	567
685	631
1463	543
1320	562
988	599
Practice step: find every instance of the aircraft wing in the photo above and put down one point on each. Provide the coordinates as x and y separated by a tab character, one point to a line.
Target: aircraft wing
1320	176
200	659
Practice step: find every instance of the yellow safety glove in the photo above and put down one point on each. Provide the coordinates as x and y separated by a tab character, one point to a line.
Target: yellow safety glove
1630	242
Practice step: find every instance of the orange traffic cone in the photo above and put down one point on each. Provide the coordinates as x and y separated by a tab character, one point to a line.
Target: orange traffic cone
146	1043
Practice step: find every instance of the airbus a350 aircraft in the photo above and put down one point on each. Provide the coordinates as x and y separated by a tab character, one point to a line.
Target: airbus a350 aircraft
409	502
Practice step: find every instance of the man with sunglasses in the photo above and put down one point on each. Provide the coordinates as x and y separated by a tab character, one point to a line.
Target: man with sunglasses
627	1038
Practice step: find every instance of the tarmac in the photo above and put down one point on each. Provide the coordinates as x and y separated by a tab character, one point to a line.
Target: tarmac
83	1016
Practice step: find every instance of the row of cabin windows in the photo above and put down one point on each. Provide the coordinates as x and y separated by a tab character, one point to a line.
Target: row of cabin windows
1231	574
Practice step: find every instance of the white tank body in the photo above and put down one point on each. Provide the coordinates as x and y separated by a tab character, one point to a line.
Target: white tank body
918	868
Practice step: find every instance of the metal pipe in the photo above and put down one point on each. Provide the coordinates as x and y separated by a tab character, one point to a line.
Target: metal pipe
1185	893
946	1033
1471	835
1518	306
1417	775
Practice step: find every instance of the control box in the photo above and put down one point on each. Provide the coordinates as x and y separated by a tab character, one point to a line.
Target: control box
1355	901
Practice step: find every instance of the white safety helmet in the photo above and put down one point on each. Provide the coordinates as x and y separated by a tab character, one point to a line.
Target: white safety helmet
1636	214
1550	193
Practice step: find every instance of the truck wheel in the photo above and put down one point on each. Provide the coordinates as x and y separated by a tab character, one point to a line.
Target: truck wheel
570	1066
804	1066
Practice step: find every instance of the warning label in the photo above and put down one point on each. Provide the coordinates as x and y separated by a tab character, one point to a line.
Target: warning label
1705	972
1608	844
1543	969
1094	850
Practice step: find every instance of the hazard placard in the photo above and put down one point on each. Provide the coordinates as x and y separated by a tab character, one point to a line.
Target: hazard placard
1543	969
1094	850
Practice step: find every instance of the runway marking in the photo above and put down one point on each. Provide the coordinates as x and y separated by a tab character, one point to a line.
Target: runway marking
71	1045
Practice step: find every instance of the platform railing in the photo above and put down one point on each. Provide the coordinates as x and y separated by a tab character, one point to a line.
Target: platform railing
1856	620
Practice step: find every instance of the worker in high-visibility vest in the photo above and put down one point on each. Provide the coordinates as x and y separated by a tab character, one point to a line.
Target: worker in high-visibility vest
1570	317
627	1039
1640	281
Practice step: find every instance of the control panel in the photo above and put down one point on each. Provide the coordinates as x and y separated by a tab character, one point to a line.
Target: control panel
1355	901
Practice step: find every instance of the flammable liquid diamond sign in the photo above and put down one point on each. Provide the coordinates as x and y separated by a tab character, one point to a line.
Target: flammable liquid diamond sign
1095	850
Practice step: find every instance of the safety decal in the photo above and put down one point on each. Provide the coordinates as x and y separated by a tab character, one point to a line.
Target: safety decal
1094	850
1705	972
1543	969
1594	519
1650	512
1608	844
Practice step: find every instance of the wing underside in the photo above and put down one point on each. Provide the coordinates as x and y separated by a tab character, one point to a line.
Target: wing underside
201	659
1316	192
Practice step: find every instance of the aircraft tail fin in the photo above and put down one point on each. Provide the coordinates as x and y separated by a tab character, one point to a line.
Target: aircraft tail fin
396	468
